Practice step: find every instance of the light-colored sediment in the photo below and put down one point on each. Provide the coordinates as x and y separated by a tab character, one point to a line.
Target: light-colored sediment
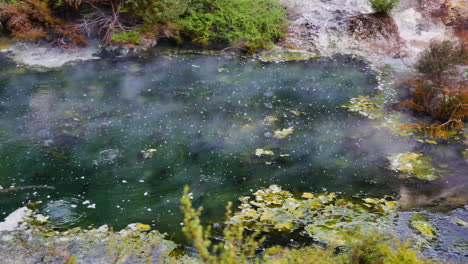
42	55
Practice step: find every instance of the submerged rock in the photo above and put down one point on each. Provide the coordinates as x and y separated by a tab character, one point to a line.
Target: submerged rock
439	235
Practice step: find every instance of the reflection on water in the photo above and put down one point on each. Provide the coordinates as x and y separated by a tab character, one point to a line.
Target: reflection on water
62	213
124	136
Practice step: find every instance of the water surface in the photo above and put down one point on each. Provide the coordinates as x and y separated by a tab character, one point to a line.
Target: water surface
84	129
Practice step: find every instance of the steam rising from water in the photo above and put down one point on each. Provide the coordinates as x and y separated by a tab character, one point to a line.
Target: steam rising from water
83	129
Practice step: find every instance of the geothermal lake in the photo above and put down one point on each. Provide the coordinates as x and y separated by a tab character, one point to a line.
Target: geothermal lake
114	141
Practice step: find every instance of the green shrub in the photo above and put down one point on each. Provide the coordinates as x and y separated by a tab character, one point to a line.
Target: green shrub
234	249
127	37
245	24
383	7
439	57
160	12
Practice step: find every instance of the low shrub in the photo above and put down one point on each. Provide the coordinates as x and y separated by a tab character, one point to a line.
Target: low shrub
156	13
446	106
244	24
234	249
439	57
31	20
127	37
383	7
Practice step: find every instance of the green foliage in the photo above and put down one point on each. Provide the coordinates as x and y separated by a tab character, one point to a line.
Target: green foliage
161	12
383	7
233	250
308	255
245	24
127	37
439	57
401	254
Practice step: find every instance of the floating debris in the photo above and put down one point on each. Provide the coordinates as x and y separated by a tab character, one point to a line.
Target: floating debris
108	156
414	165
365	106
269	120
261	152
149	153
283	133
297	113
324	217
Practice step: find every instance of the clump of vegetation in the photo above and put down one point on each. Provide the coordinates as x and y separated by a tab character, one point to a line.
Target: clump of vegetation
439	57
365	106
161	12
414	165
245	24
30	20
234	249
315	215
445	104
129	37
383	7
443	100
360	246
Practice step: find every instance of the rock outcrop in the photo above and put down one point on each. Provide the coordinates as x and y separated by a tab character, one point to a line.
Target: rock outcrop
348	26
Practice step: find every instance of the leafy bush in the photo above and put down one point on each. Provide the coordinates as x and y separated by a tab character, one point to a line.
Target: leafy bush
445	104
245	24
233	250
383	7
160	12
439	57
127	37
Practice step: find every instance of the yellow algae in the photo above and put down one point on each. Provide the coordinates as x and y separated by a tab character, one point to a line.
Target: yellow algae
261	152
283	133
269	120
149	153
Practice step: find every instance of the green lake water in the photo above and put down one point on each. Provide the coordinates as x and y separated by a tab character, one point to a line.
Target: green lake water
83	129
